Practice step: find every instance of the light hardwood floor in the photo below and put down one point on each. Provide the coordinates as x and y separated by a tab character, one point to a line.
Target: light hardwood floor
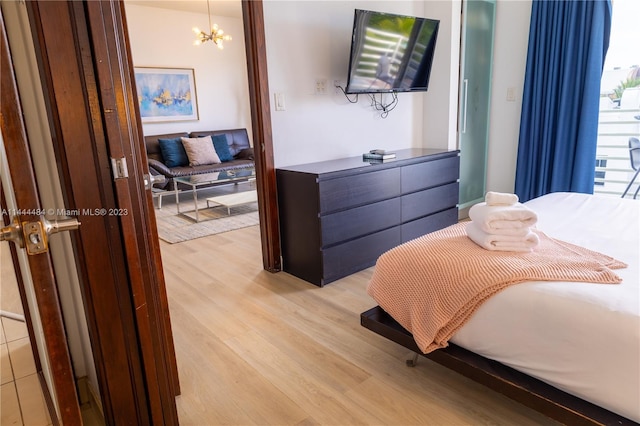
259	348
256	348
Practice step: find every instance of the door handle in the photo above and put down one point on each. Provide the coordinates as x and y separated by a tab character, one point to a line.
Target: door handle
465	82
34	236
150	180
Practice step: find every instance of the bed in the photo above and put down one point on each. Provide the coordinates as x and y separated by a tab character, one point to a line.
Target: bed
568	349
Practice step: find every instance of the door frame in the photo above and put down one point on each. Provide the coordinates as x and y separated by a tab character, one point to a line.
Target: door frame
87	80
53	348
256	51
84	56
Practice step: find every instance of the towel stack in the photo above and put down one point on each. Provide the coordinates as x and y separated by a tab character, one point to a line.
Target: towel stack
501	223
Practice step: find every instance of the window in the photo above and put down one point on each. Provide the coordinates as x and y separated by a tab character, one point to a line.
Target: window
619	100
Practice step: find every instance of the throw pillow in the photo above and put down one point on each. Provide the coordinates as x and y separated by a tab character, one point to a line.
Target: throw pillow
245	154
200	151
222	147
173	152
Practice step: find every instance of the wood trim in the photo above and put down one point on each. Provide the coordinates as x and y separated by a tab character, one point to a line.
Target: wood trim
41	267
64	54
150	234
83	56
123	136
111	105
51	408
256	51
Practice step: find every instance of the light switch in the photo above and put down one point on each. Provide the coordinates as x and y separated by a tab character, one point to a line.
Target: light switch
511	94
279	99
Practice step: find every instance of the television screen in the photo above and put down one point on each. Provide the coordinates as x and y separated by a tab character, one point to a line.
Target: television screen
390	53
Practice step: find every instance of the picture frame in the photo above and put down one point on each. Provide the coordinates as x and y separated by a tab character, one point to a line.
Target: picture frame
166	94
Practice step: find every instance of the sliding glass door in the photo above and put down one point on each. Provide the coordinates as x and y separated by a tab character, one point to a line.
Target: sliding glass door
478	18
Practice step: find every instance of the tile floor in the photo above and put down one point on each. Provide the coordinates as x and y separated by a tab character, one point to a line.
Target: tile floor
21	399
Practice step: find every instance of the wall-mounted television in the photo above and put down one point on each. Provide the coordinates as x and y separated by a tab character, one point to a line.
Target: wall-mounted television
390	53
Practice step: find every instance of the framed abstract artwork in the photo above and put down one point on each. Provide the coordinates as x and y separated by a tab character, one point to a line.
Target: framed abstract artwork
166	94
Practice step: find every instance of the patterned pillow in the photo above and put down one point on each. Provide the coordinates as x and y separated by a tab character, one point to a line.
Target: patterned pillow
173	152
200	151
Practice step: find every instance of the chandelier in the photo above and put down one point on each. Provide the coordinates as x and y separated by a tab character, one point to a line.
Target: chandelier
217	35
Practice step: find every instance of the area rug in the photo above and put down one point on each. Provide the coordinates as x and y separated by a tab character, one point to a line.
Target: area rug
176	228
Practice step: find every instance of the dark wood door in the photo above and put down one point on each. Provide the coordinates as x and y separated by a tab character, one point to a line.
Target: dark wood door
85	69
25	208
82	53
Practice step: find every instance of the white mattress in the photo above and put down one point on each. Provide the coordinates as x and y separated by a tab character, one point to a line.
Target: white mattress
583	338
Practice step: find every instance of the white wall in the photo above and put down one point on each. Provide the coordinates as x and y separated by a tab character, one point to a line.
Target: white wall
509	62
307	40
441	105
164	38
310	39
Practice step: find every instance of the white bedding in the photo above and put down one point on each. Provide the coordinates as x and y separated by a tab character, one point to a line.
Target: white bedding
581	338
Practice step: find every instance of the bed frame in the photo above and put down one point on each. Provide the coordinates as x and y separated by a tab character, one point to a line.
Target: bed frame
518	386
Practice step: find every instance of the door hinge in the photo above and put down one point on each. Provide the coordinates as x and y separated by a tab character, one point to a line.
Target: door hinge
119	167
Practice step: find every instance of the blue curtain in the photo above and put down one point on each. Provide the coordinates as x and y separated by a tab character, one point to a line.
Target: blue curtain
568	41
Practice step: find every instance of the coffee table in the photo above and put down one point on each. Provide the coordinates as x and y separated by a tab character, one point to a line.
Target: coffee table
196	182
232	200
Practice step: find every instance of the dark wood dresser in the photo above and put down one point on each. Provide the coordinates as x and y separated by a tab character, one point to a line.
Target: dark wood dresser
337	217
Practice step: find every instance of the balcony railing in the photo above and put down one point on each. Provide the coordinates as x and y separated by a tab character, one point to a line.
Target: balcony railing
613	166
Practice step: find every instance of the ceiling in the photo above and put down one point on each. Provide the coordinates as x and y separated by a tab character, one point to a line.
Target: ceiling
230	8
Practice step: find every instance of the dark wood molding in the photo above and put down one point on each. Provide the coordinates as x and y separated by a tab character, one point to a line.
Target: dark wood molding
51	407
64	51
114	71
41	266
84	61
255	43
150	235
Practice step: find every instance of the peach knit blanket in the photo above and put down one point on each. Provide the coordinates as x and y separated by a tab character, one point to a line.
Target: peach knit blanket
433	284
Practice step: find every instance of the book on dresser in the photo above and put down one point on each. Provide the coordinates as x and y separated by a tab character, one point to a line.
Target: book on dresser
374	161
378	155
337	217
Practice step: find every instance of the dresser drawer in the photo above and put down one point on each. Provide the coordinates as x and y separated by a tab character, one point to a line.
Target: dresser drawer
356	255
423	203
425	225
430	173
348	224
343	193
338	216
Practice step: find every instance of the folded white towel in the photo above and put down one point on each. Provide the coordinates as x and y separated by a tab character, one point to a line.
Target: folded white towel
500	199
503	220
501	242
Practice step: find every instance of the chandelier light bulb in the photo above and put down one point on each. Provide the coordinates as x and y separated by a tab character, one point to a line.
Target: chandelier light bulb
217	35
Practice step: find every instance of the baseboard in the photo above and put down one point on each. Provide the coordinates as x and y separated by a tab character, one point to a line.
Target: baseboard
89	397
463	214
